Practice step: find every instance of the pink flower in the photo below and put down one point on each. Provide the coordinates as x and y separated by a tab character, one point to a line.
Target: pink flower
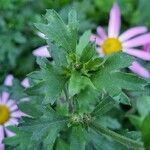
41	52
9	81
10	115
25	83
127	41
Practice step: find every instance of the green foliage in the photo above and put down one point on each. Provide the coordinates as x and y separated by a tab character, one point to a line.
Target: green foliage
111	80
74	98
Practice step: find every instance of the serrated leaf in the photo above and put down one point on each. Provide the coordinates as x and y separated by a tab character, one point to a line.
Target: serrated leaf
57	31
104	106
77	138
46	128
83	42
88	53
78	82
58	54
112	81
51	84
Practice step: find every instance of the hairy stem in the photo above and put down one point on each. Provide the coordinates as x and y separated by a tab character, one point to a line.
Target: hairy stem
117	137
70	107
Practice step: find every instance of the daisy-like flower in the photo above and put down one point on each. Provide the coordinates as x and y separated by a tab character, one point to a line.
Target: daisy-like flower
126	42
9	116
41	52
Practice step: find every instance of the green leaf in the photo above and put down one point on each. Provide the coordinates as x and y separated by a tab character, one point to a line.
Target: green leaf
83	42
109	122
88	52
22	140
143	105
135	120
51	84
77	138
109	78
60	33
145	128
87	99
57	53
78	82
103	107
115	136
61	145
45	128
103	143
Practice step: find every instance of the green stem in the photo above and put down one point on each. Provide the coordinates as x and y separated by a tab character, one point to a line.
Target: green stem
117	137
70	108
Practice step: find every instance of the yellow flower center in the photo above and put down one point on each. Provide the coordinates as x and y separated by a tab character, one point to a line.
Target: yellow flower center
111	45
4	114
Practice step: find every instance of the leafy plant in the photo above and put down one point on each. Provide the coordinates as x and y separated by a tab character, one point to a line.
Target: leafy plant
76	90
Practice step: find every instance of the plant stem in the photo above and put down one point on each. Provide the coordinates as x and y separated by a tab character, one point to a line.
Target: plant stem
70	107
115	136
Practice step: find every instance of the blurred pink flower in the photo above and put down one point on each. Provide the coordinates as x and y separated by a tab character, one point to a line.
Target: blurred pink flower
25	83
127	41
10	115
41	52
9	81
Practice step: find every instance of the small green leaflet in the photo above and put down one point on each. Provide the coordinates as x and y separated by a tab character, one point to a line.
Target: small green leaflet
83	42
46	128
51	83
57	31
78	82
103	107
78	138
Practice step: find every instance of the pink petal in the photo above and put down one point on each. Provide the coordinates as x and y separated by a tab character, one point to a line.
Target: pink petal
147	47
18	114
101	32
11	122
13	108
96	39
25	83
138	41
10	103
1	134
138	69
5	96
99	51
41	52
2	147
131	33
138	53
9	133
114	21
9	80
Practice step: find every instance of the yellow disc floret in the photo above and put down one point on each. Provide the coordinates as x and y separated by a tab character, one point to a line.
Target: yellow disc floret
111	45
4	114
